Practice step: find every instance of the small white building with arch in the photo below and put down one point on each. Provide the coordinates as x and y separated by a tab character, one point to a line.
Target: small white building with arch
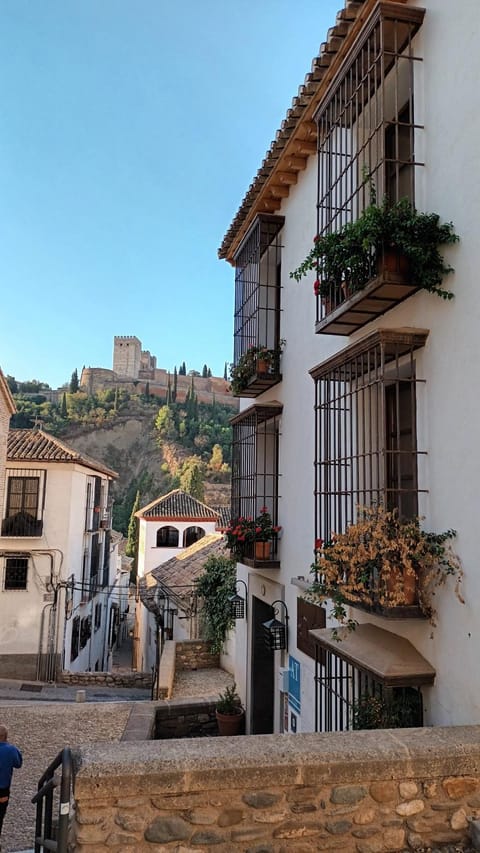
167	526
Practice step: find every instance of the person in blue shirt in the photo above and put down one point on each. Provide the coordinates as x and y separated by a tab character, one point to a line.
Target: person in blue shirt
10	757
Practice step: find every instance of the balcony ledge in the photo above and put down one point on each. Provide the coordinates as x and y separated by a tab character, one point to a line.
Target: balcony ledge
380	295
254	563
259	383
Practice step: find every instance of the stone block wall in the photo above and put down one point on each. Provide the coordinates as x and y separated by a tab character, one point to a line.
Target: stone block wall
195	654
356	792
141	680
186	718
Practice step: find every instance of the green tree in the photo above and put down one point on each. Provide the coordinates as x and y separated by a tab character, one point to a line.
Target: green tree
209	373
64	410
147	390
225	371
165	424
12	384
131	548
216	459
204	371
192	477
183	369
74	382
174	389
215	586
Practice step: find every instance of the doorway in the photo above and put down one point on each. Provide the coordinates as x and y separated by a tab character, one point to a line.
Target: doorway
262	681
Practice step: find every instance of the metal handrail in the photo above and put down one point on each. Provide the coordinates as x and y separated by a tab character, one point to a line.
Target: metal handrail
44	829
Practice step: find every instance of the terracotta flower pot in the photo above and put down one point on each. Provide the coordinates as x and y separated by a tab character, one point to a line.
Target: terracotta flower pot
262	365
230	724
393	261
262	550
403	585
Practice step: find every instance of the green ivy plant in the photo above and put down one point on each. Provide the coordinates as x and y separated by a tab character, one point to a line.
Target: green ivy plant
215	586
348	258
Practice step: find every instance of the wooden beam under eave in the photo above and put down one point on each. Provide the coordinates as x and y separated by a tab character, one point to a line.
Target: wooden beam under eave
309	128
268	205
304	146
293	161
288	178
279	191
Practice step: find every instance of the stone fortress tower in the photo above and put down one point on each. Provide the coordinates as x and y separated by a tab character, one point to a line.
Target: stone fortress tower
127	356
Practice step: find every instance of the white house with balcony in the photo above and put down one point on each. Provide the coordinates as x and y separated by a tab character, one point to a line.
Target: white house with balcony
60	602
372	400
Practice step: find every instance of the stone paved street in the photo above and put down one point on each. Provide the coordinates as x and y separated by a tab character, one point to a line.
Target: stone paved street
200	682
40	730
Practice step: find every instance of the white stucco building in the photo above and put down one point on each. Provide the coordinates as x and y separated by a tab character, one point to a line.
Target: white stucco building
61	601
168	527
373	398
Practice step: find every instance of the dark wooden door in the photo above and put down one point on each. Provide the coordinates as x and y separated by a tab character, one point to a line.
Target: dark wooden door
261	706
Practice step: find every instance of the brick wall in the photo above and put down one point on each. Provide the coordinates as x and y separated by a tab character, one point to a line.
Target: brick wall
356	792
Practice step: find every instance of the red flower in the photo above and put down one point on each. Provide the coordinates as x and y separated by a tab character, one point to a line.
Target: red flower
316	238
316	287
318	544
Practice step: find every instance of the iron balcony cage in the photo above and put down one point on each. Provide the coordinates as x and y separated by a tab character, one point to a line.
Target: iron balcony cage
366	451
372	678
344	694
255	475
368	135
257	297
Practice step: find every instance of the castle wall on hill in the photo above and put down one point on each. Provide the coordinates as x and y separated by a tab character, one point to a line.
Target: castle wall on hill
95	379
133	368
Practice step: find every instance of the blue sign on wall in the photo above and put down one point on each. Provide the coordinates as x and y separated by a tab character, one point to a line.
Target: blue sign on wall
294	684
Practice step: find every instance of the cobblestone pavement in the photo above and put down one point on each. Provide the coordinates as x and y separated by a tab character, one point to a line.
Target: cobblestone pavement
41	730
200	682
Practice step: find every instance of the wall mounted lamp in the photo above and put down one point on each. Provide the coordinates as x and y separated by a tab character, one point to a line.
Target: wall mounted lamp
238	605
275	633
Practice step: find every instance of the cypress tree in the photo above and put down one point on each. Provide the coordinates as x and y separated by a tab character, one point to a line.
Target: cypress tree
131	548
225	371
174	392
74	382
64	411
204	371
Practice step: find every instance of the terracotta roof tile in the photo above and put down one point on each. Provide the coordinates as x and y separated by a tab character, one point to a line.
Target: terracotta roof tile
177	575
177	504
35	445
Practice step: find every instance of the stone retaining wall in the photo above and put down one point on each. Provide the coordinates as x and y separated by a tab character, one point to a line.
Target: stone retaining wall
195	654
186	718
358	792
141	680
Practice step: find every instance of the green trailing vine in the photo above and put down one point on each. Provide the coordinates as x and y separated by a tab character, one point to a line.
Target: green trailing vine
216	586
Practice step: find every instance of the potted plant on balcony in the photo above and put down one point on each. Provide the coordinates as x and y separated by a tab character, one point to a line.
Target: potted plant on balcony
379	561
247	535
255	360
229	711
239	535
346	260
264	532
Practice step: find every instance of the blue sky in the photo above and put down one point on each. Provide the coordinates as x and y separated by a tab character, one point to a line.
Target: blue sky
130	131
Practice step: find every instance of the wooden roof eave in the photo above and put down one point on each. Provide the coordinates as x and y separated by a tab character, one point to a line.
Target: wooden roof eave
297	134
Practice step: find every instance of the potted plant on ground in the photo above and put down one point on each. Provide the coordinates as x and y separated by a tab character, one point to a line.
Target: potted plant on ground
346	260
379	560
229	711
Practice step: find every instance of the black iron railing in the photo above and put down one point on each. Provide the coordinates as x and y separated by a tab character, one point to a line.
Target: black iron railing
51	832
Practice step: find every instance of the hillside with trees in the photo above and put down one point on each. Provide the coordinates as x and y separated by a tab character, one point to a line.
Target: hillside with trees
155	445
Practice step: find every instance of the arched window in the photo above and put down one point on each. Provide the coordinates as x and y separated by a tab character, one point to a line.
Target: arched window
191	535
167	537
